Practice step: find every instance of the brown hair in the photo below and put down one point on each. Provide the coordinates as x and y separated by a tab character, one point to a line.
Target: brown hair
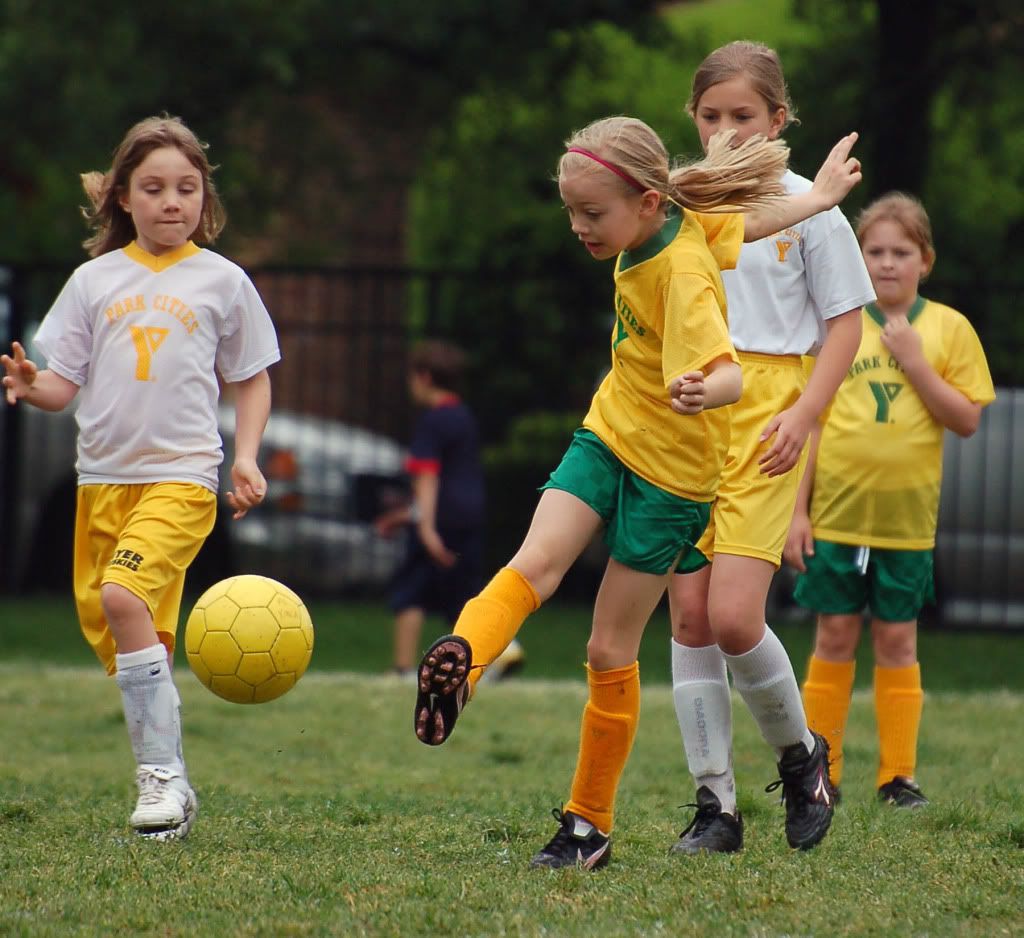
443	361
755	60
905	211
113	226
726	178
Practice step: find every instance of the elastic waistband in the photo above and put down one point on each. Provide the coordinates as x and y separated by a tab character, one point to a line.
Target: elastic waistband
763	358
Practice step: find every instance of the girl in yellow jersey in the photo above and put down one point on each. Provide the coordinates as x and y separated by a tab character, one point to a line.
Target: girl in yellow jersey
872	488
140	334
646	463
799	291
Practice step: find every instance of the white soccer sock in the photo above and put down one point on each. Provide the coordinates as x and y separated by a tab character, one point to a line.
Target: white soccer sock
151	707
700	689
764	678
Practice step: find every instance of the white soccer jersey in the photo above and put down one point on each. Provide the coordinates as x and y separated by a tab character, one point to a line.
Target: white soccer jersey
142	337
786	285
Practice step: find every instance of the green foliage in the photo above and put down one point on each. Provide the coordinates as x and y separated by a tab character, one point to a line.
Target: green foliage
321	815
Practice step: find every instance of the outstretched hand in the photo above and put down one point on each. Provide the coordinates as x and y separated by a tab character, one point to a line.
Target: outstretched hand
21	373
250	487
839	173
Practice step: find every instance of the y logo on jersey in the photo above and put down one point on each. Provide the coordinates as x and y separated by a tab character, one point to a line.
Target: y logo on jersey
783	248
884	392
146	339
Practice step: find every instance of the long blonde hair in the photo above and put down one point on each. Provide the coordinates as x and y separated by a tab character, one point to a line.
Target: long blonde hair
726	179
113	226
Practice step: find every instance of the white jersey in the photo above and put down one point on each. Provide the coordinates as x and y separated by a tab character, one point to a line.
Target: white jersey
144	337
786	285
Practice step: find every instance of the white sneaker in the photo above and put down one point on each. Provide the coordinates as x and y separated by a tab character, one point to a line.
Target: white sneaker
509	662
167	805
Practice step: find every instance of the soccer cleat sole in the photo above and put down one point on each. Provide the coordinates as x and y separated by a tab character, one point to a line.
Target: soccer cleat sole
442	688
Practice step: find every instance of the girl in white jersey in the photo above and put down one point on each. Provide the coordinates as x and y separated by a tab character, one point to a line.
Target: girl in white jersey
142	330
798	291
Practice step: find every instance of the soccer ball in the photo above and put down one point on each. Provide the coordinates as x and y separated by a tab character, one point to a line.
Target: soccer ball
249	639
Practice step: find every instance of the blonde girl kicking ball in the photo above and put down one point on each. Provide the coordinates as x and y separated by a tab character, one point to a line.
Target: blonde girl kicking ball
646	463
864	525
142	331
795	292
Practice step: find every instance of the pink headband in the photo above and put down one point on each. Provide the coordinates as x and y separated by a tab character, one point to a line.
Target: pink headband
621	173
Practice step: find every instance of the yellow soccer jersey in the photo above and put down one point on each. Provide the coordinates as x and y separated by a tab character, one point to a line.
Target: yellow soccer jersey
879	467
669	319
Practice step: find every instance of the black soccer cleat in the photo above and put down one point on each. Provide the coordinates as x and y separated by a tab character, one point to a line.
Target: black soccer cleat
711	830
577	843
902	792
807	793
442	685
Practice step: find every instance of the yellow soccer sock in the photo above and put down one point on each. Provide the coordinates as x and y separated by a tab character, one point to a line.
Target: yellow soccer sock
606	736
491	620
827	705
898	704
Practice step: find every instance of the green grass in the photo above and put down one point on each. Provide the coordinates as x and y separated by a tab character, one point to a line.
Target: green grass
322	815
356	636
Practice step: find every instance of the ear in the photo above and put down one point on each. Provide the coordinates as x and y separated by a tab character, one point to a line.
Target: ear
776	123
650	202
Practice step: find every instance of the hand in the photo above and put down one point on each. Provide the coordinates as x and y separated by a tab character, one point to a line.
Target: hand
838	174
903	340
791	429
250	487
686	393
435	547
21	374
799	542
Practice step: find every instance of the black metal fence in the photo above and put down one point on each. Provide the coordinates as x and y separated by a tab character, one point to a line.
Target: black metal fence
344	336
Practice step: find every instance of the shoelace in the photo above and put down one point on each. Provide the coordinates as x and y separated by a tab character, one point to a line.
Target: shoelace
564	835
702	819
150	789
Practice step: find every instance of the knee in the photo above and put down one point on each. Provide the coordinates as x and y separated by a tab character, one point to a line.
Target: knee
895	645
540	567
690	623
119	604
836	638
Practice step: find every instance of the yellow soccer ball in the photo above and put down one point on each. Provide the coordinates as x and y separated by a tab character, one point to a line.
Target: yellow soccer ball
249	639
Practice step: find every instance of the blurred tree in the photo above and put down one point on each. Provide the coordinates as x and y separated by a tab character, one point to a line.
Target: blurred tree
317	109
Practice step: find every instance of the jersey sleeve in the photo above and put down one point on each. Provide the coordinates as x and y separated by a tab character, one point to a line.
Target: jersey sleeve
696	332
966	367
424	456
248	342
65	335
724	234
837	278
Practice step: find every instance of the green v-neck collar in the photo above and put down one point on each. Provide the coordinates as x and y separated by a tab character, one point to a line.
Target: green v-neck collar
656	243
878	316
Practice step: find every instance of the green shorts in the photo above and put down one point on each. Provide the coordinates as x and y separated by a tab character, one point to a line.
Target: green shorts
843	579
648	529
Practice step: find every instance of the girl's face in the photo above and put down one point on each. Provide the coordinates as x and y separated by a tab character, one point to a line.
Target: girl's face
165	200
734	104
604	218
895	262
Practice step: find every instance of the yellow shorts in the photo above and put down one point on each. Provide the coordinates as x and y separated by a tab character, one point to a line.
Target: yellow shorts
142	537
752	512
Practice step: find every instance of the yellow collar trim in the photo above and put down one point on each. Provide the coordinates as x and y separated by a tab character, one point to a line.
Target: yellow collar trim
157	264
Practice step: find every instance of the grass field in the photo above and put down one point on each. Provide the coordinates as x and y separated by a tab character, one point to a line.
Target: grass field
322	815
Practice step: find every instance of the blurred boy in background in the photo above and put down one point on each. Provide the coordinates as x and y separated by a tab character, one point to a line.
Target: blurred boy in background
444	522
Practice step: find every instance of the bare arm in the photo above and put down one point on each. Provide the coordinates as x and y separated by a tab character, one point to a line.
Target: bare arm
694	392
838	175
800	542
23	381
945	403
425	486
792	426
252	409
